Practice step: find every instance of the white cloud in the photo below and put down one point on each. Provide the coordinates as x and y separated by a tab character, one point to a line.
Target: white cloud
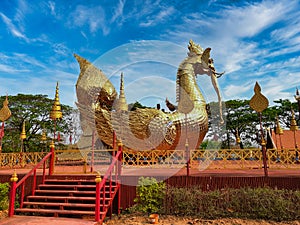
12	28
155	19
118	12
232	91
51	6
94	17
229	30
9	69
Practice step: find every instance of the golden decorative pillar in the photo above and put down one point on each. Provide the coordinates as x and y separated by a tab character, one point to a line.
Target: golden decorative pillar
23	136
259	103
294	128
56	112
279	131
238	139
297	97
44	139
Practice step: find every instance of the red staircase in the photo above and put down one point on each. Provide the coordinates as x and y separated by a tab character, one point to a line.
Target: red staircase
69	196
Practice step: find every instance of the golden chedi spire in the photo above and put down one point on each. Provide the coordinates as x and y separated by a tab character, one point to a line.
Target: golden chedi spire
293	125
278	129
121	104
56	107
23	133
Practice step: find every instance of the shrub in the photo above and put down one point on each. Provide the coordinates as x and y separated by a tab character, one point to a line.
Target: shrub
258	203
4	189
150	195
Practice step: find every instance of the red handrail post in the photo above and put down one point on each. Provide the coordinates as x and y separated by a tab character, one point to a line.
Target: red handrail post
12	198
97	203
119	199
44	172
51	166
34	182
120	158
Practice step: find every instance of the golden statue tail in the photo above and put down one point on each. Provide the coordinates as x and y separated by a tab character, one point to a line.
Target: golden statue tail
93	87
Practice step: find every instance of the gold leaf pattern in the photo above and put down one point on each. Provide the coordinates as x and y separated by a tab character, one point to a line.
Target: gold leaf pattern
258	102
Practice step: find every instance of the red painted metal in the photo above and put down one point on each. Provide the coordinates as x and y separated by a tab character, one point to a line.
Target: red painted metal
100	187
97	204
34	183
263	146
12	198
15	185
44	173
51	166
119	199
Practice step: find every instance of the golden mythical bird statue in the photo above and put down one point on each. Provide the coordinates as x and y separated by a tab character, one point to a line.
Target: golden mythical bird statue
147	129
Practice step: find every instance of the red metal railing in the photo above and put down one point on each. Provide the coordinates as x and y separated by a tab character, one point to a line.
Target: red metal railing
116	165
14	185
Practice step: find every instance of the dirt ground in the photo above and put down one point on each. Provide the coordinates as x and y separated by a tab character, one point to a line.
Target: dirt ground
130	219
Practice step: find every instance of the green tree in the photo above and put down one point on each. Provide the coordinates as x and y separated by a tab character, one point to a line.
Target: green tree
134	106
242	120
34	110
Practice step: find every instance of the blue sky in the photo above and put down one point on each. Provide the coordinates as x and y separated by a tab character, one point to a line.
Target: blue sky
146	40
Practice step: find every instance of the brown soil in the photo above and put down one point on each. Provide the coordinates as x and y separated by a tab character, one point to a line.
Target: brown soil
130	219
3	214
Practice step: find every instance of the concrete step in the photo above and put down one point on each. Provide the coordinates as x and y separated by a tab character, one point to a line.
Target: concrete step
62	198
70	192
57	212
60	204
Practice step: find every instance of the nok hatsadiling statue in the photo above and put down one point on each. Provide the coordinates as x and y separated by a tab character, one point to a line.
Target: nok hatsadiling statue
148	129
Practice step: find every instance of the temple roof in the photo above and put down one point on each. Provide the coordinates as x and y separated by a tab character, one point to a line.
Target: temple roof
285	140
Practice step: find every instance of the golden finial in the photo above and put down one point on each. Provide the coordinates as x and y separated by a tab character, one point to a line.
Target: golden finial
5	112
121	102
52	144
293	126
258	102
44	136
238	139
263	142
23	133
98	178
278	129
120	142
14	177
186	143
56	107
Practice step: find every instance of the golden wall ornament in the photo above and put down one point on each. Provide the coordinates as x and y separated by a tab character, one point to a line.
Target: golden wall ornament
258	102
5	112
148	129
